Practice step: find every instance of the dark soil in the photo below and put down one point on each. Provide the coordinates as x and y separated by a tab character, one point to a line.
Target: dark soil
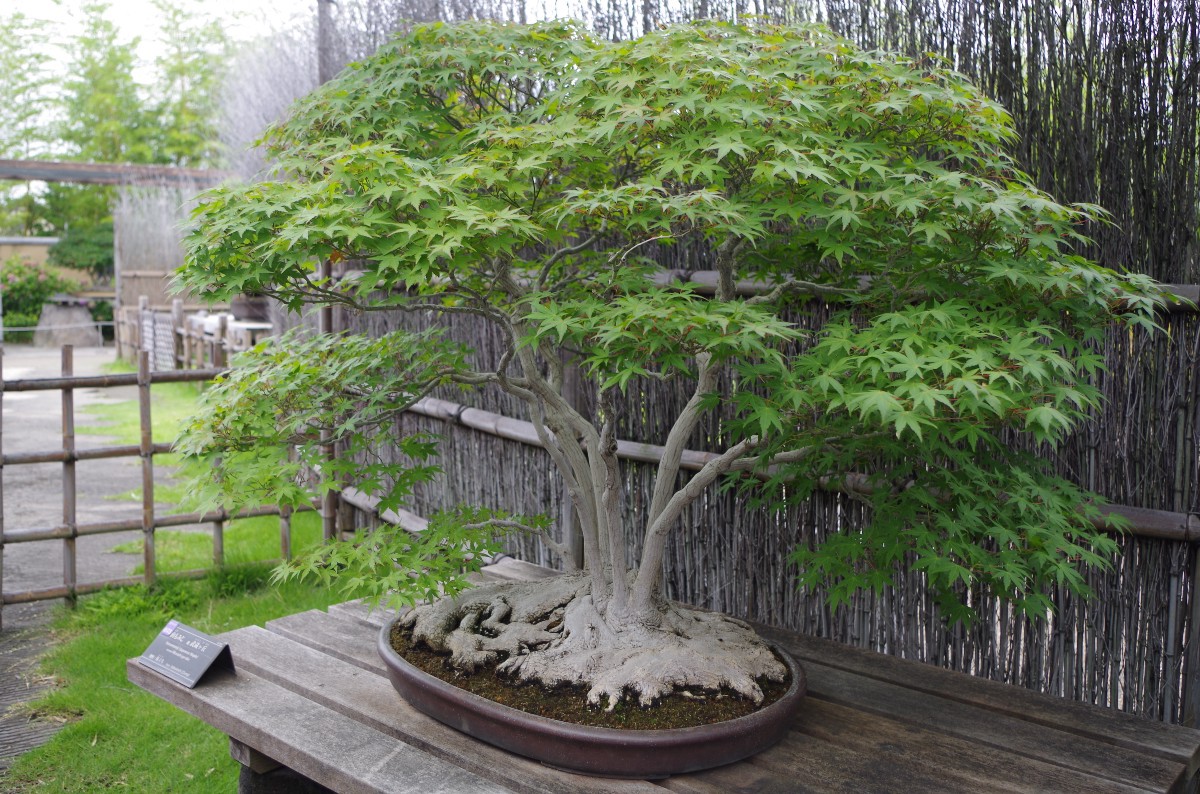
569	703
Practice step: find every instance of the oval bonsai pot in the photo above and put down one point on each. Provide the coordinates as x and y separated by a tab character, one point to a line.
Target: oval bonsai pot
608	752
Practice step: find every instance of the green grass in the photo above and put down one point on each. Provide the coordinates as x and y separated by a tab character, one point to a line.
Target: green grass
246	540
118	736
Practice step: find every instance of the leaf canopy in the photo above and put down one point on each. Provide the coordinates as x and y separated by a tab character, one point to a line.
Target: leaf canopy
529	174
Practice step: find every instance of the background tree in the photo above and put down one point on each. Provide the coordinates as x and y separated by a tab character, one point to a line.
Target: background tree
190	73
517	174
105	118
25	84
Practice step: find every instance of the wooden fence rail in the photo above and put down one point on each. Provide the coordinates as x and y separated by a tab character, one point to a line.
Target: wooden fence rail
69	455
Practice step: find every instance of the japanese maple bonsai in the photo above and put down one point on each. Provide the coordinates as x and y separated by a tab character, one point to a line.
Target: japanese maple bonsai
524	175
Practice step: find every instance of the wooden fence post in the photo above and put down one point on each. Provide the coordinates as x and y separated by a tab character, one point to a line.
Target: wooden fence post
147	455
143	310
285	533
177	333
220	356
68	474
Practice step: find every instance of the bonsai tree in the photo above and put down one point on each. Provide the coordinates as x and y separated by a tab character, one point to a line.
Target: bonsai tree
525	175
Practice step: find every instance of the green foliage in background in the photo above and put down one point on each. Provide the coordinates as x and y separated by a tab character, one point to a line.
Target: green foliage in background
23	290
97	107
87	248
524	174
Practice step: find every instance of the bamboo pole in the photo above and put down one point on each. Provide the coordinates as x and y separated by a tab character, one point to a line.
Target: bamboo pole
108	381
34	534
68	476
147	455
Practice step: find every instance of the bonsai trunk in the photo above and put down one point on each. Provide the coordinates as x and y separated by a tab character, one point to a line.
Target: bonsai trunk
607	628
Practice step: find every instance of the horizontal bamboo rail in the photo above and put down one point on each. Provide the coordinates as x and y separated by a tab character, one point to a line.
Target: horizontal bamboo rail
47	593
1141	521
1180	298
109	381
30	535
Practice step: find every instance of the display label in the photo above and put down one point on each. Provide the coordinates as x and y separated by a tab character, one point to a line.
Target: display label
183	654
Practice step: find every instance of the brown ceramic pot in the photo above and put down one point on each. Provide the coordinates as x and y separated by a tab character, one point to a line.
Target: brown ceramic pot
589	750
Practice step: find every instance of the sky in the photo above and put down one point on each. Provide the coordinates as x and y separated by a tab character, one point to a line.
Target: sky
242	18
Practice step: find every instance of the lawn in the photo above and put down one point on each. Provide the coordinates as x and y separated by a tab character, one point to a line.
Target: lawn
117	736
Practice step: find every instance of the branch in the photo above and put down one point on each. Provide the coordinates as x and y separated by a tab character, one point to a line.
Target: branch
681	431
795	285
572	465
608	482
656	532
562	252
726	253
563	553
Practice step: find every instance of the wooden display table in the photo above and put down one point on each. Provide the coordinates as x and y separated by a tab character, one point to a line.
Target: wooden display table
310	693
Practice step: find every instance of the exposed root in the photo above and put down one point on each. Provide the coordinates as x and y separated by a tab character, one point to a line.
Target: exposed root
550	632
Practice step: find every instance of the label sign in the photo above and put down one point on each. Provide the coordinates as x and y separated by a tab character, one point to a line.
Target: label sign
183	654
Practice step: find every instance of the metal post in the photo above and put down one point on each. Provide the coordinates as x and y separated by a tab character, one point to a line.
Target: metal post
329	502
147	455
325	73
325	33
68	474
1191	679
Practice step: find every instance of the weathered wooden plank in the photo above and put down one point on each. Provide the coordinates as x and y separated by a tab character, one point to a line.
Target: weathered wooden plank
512	569
347	640
812	764
907	750
1105	725
988	728
370	699
745	778
362	614
325	746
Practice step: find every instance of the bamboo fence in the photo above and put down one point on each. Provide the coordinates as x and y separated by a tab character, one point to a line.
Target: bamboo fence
69	455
